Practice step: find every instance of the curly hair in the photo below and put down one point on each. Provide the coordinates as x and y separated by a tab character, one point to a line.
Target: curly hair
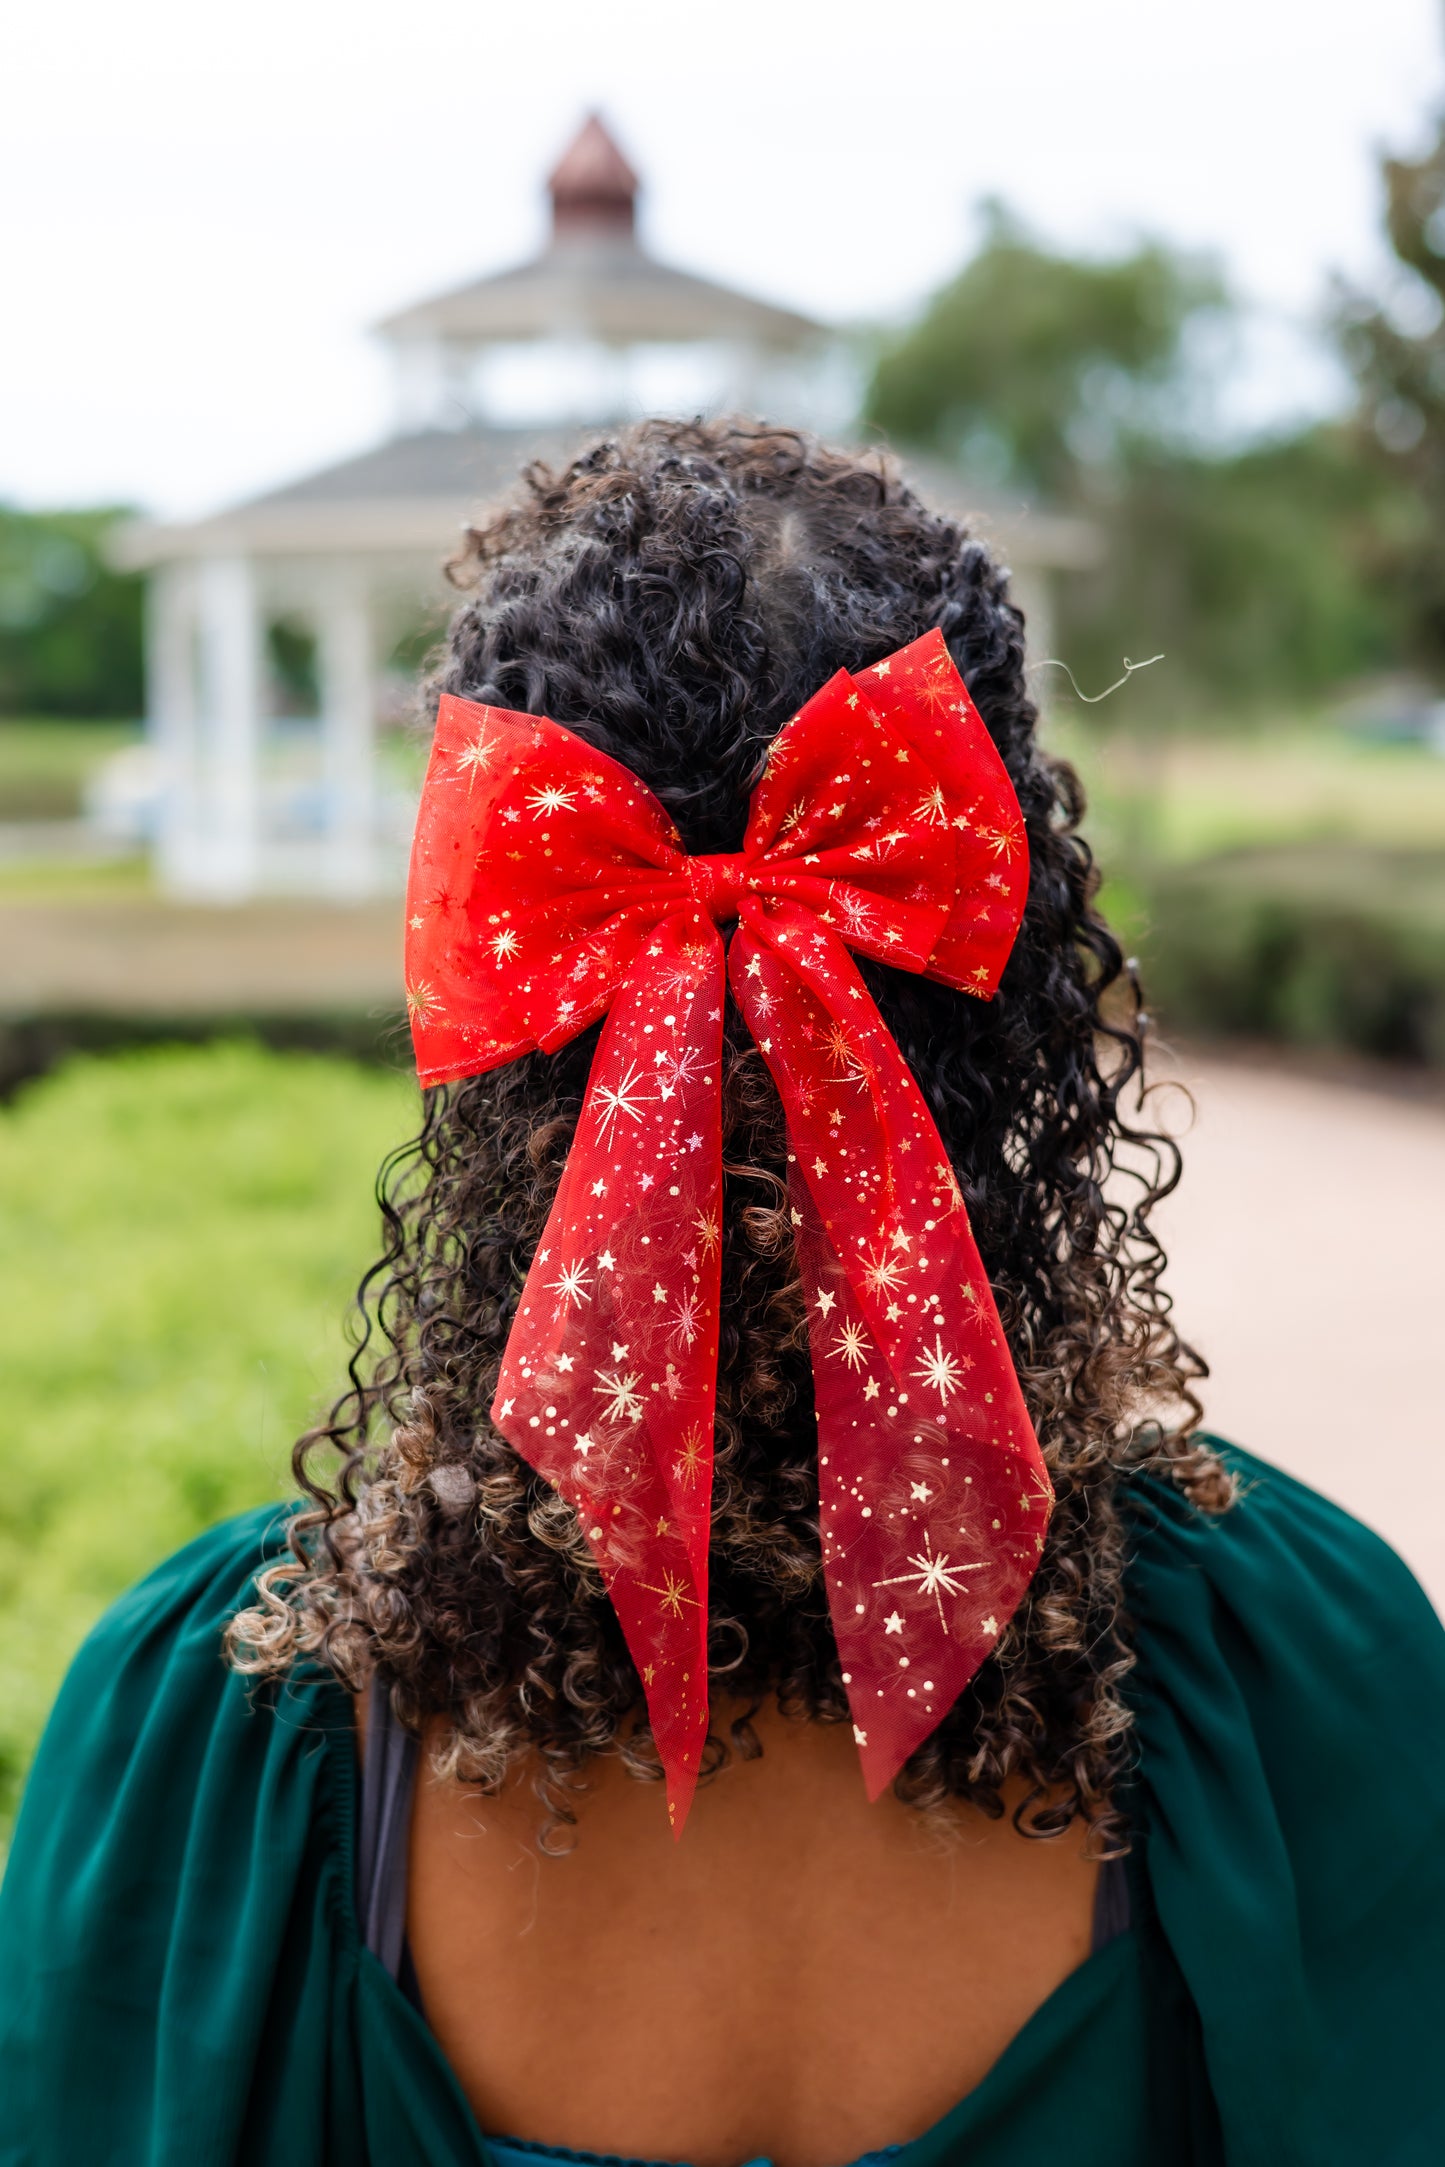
673	595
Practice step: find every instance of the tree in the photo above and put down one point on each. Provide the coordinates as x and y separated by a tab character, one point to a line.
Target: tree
1253	571
1088	382
70	626
1033	367
1397	353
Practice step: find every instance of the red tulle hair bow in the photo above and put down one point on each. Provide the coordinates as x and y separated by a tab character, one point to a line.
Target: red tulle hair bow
549	888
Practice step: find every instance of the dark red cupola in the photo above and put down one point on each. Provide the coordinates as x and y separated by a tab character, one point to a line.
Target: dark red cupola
593	188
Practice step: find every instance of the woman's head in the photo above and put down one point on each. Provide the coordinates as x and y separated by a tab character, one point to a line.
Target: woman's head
674	596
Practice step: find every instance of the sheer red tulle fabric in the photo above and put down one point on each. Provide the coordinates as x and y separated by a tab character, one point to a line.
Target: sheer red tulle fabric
549	888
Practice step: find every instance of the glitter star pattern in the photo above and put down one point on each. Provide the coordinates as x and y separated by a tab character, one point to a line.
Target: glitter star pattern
883	823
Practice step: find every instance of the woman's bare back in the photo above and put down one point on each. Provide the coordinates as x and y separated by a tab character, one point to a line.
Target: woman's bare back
803	1976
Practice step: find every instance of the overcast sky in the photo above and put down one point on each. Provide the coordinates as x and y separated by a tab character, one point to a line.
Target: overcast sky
204	207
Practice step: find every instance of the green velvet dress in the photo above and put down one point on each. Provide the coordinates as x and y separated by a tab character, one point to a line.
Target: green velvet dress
181	1982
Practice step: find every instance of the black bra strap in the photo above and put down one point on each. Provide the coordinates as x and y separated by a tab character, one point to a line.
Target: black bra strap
387	1776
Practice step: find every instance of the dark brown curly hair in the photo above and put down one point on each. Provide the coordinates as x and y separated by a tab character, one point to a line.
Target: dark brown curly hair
673	595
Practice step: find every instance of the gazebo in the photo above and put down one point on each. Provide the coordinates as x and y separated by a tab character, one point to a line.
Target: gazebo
284	630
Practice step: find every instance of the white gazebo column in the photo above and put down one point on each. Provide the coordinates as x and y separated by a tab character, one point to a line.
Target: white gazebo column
172	717
346	658
224	864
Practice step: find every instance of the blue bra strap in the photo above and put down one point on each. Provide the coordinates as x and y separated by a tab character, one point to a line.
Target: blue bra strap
387	1778
1112	1906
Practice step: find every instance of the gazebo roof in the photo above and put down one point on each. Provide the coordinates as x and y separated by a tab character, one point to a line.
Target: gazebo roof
412	494
415	494
595	277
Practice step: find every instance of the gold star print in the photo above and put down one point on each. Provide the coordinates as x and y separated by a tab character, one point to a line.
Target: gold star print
851	1346
883	1273
550	799
688	1463
624	1097
936	692
935	1576
705	1226
940	1370
1003	841
672	1595
619	1388
477	757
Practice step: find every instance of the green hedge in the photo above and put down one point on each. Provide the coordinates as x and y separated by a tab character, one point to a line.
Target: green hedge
1317	944
181	1231
31	1046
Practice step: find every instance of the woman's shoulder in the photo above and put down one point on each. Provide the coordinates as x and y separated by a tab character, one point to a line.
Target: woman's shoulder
154	1663
150	1702
173	1811
182	1603
1290	1702
1296	1616
1282	1565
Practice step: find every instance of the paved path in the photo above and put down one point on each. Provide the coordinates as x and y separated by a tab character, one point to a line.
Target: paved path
135	955
1308	1267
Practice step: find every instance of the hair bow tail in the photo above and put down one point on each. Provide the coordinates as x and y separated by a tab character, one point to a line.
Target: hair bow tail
931	1526
933	1495
608	1383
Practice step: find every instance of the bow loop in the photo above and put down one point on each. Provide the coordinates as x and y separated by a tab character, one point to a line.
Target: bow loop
549	888
860	812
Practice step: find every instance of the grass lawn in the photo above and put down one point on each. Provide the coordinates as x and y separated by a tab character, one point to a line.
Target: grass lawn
44	763
180	1231
67	880
1176	798
1160	804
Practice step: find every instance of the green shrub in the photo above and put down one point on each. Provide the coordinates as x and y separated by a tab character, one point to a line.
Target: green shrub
1314	944
70	624
180	1230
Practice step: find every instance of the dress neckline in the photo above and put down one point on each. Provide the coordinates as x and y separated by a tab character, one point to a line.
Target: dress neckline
1094	1979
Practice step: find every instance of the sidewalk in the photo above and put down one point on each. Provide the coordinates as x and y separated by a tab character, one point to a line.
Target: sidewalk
1307	1266
136	955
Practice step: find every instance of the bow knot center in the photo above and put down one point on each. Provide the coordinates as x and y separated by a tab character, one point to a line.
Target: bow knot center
717	883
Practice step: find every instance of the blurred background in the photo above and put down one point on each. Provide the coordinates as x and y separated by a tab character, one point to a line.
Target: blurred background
1156	298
